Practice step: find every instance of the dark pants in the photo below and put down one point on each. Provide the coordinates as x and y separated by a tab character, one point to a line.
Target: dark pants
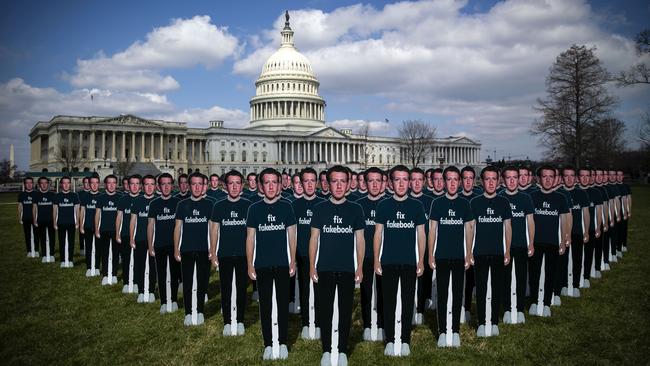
457	269
45	232
518	256
266	277
366	295
125	255
82	241
425	283
605	245
577	243
624	233
304	283
493	264
613	239
561	271
619	236
107	245
470	279
91	246
588	256
142	256
598	251
66	231
164	258
549	252
391	276
188	261
31	236
228	265
328	282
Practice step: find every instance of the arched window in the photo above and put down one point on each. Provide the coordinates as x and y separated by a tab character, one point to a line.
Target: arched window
243	155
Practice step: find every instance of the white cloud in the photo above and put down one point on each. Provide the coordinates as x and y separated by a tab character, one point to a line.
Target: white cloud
22	105
483	71
201	117
181	44
375	128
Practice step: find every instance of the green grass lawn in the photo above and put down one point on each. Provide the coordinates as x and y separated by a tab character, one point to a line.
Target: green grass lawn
55	316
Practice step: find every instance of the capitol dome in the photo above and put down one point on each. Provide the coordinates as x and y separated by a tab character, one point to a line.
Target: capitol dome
286	92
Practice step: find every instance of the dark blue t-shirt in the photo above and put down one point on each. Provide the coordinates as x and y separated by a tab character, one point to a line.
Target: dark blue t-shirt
44	202
337	223
231	217
195	232
595	199
304	211
548	210
26	198
521	206
67	215
400	220
370	212
451	216
140	208
107	204
89	202
490	214
271	221
124	204
579	200
164	213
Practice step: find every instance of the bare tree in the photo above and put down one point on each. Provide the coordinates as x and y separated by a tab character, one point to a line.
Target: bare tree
416	138
69	155
364	132
644	131
576	100
639	73
123	167
607	141
7	171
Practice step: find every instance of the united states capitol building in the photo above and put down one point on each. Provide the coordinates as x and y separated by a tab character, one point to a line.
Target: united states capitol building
287	130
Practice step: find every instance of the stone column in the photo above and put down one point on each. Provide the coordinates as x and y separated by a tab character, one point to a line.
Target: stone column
162	145
132	151
113	146
142	147
91	145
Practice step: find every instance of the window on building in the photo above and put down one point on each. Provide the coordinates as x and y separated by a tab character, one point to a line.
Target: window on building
243	156
255	156
223	156
255	144
223	143
264	157
243	144
84	153
232	143
232	156
264	144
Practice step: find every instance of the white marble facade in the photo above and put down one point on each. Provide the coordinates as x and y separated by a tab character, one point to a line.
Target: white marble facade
287	130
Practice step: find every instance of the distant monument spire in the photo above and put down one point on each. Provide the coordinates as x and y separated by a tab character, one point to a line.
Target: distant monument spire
12	161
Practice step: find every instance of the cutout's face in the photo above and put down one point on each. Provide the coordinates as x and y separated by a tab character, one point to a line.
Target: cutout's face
400	182
468	181
452	181
511	180
569	177
309	183
297	185
548	178
270	185
149	186
362	183
323	183
134	186
165	186
65	185
490	182
94	184
417	182
234	186
523	177
110	185
252	182
29	184
214	182
125	185
183	185
439	182
196	186
354	181
43	184
374	182
285	180
584	176
619	176
338	184
86	184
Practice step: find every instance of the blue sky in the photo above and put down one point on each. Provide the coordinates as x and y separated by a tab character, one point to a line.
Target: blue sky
469	67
